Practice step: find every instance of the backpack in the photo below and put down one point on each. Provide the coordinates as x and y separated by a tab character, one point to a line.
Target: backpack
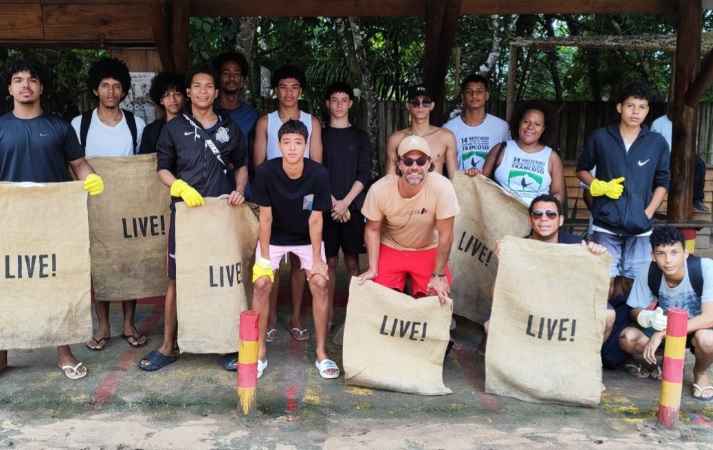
695	274
87	120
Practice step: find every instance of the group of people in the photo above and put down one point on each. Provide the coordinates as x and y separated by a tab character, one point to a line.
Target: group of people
309	183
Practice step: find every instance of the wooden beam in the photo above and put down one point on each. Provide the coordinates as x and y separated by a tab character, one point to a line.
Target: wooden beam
21	22
159	27
180	28
700	85
441	24
103	24
689	21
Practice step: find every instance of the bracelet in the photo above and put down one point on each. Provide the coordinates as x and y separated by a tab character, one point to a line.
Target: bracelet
437	275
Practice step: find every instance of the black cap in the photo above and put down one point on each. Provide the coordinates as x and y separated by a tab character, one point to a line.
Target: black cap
419	89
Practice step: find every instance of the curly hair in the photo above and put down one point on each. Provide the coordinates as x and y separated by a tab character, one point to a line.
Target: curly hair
547	110
286	72
163	83
545	198
202	68
635	89
666	235
236	57
15	66
109	68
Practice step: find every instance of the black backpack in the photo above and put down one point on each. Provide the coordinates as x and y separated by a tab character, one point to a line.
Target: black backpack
87	120
612	354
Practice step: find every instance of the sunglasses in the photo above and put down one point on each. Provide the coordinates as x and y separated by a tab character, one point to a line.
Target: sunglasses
539	213
425	103
420	161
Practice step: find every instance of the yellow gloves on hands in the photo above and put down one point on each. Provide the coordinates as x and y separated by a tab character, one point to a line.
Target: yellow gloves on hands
263	268
611	189
93	184
180	188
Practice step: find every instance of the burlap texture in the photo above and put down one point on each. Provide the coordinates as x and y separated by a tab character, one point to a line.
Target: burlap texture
547	324
128	227
215	247
395	342
44	251
488	213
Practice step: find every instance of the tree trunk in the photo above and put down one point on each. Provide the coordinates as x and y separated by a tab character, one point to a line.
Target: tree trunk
495	47
246	35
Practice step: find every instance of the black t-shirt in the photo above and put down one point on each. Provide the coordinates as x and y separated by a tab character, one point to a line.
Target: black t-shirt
149	137
347	156
292	201
38	149
568	238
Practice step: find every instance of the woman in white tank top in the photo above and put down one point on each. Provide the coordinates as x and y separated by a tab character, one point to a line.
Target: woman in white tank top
527	166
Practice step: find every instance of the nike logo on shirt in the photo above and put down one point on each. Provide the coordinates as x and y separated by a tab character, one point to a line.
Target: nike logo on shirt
187	133
641	163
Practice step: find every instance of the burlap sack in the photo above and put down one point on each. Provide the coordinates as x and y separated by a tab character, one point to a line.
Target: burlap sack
215	247
395	342
45	280
128	227
547	324
488	212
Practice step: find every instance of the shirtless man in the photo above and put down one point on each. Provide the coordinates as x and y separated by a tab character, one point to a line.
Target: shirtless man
441	141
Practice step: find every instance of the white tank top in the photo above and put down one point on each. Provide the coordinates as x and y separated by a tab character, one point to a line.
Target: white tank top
273	126
524	174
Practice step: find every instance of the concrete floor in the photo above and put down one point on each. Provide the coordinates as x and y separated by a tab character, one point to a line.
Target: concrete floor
193	404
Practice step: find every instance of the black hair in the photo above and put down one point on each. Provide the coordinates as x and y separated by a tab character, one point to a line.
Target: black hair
473	78
547	110
636	89
202	68
236	57
666	235
109	68
163	83
289	71
293	127
15	66
339	87
545	198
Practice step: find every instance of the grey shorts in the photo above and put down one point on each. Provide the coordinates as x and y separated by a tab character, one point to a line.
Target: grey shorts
628	254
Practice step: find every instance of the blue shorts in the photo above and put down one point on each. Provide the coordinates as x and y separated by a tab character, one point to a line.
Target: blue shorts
628	254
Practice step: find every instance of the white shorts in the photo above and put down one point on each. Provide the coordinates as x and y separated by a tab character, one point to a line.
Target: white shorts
303	252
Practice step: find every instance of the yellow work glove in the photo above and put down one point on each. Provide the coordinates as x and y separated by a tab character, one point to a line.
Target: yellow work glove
180	188
93	184
263	268
611	189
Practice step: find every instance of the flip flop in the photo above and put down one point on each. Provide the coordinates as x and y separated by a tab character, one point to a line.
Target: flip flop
229	361
271	335
324	366
157	360
300	335
636	370
659	374
96	347
261	365
136	339
700	393
76	375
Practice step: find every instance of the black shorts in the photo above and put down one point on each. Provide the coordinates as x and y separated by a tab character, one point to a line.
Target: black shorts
171	247
348	236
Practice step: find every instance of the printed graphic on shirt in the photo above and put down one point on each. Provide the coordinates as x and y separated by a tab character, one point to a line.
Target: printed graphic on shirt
526	175
307	202
475	150
222	135
687	301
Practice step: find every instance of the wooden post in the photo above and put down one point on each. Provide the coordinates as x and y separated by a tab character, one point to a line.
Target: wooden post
673	361
685	118
159	25
247	359
180	29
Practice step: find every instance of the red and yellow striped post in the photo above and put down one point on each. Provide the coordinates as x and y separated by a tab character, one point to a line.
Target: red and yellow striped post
247	359
689	234
673	356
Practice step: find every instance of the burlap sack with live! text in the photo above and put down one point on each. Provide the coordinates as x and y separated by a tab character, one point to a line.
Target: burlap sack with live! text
547	324
215	247
487	213
128	227
45	277
395	342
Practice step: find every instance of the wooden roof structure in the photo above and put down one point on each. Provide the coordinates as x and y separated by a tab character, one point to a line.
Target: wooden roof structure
164	24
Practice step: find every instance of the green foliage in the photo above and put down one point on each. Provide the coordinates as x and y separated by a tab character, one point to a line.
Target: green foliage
210	36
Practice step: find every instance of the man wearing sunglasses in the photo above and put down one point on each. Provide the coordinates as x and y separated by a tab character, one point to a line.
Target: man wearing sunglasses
409	228
441	141
546	219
